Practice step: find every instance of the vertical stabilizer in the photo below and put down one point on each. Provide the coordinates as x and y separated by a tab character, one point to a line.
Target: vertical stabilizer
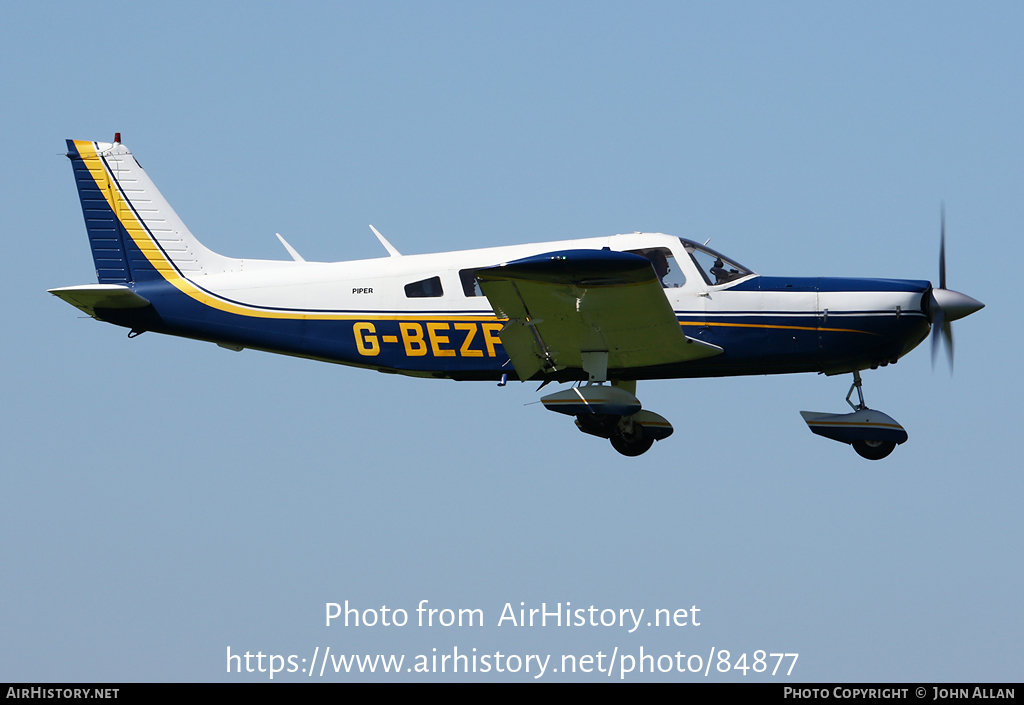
134	233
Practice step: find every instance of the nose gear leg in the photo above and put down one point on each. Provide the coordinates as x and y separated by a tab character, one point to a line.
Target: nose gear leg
858	385
871	433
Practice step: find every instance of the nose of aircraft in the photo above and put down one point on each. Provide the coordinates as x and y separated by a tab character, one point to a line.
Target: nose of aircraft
946	305
952	304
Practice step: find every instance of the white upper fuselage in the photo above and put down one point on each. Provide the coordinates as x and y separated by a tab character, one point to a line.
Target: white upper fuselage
379	284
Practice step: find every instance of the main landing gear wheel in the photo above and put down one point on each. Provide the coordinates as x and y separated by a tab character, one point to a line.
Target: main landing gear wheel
872	450
632	447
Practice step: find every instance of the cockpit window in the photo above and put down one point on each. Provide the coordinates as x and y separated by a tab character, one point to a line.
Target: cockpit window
670	274
715	268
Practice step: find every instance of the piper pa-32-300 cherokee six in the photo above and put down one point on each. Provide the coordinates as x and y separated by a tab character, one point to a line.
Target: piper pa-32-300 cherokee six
599	313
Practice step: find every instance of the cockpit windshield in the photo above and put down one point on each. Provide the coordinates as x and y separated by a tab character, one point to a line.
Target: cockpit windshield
716	268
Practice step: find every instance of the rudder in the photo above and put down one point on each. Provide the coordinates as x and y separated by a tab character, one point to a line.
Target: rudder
106	237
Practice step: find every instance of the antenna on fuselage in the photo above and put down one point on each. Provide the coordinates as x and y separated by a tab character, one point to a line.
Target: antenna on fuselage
291	250
387	245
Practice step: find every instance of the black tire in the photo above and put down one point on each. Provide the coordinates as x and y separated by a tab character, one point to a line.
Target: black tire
873	450
632	447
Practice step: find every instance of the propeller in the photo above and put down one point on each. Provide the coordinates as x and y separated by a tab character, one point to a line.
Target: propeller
945	305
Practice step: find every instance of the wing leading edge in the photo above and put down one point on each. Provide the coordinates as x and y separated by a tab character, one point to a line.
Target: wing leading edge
563	305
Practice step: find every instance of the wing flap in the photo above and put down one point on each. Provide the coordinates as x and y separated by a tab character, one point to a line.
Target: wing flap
563	304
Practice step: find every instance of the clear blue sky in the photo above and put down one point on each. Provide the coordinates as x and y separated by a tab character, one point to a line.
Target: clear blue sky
165	499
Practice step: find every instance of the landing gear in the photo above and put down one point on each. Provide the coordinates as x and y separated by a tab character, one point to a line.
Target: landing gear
873	450
631	435
632	448
614	413
859	386
633	442
610	411
600	425
872	434
870	449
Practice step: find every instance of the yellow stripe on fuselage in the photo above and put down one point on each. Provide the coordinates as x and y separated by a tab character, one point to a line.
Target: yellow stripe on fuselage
700	324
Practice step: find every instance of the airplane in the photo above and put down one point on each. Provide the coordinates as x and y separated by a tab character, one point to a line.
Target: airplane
599	314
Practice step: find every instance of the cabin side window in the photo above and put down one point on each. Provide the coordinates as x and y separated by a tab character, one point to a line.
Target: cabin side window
426	288
669	272
470	286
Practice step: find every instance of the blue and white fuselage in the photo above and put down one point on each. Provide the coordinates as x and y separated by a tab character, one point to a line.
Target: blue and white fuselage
442	315
357	313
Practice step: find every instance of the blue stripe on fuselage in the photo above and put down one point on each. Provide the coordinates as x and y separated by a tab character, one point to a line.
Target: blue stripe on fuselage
830	284
415	348
761	343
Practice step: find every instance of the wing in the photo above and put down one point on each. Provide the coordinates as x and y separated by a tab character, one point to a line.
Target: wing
563	305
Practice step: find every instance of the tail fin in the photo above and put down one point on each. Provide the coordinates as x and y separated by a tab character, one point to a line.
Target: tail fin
135	235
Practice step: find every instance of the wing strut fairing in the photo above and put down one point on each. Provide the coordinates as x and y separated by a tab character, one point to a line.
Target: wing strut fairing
595	310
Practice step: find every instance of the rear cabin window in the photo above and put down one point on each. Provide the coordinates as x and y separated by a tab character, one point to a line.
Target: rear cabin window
427	288
470	286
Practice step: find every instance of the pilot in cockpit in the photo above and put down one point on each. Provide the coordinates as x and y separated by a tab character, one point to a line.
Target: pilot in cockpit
720	273
660	264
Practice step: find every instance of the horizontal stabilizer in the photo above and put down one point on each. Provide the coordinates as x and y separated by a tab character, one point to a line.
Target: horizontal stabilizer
89	297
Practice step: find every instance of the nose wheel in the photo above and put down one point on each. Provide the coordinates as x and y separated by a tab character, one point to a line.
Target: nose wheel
873	450
870	449
872	434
